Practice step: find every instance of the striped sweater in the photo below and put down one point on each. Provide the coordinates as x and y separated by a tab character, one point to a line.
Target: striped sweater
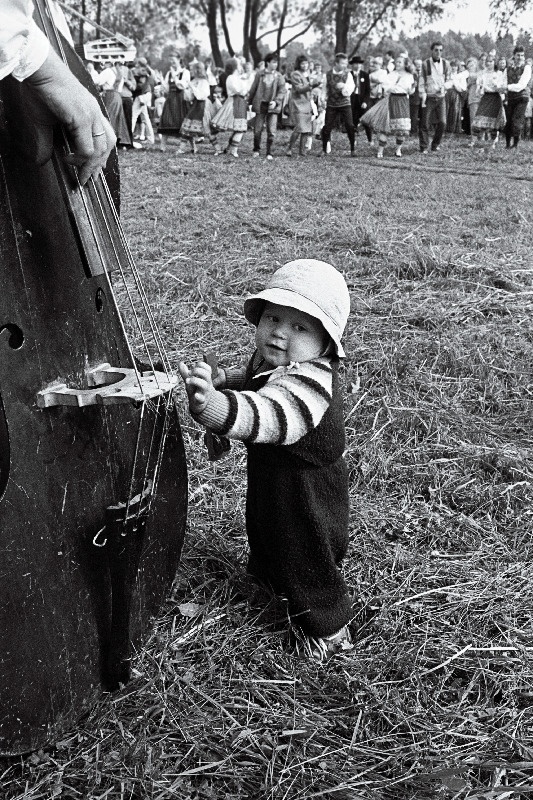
291	403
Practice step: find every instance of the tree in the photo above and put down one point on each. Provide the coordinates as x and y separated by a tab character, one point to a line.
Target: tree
364	17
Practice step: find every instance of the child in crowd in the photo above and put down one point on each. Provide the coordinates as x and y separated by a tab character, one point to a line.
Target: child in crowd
286	406
193	124
159	102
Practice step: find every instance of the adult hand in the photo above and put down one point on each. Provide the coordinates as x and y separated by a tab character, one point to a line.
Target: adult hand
198	384
272	105
92	137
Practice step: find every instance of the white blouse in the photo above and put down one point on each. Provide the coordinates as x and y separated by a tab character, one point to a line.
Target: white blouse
236	84
399	83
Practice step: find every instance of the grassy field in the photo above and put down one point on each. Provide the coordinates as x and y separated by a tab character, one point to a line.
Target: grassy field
435	699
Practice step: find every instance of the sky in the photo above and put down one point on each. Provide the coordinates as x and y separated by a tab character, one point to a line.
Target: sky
474	17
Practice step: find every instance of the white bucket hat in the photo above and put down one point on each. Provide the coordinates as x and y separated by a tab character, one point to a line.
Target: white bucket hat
311	286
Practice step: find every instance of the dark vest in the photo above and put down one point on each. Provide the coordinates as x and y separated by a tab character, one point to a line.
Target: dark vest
335	97
513	76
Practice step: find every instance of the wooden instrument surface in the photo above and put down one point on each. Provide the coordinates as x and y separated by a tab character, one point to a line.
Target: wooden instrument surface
93	497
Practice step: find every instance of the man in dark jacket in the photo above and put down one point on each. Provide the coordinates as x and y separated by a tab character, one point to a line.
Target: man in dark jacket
361	91
266	98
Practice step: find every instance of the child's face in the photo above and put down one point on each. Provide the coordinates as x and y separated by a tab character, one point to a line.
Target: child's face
285	334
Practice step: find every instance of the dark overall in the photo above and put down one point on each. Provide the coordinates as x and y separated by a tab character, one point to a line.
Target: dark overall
297	511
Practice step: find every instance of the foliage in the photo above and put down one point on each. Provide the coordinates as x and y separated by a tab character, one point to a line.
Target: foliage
456	45
356	20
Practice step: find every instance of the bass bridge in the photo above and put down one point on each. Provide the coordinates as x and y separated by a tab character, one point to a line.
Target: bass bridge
109	385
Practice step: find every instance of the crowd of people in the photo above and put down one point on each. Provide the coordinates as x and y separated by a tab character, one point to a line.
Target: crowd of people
390	97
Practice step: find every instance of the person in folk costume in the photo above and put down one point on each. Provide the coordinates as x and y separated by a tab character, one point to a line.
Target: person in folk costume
434	81
286	406
490	115
318	99
472	95
414	99
232	115
142	100
376	76
193	125
266	97
301	106
361	92
211	75
391	115
339	89
454	97
518	94
108	82
177	85
126	84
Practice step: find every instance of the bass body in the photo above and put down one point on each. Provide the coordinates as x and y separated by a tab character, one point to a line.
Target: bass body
93	480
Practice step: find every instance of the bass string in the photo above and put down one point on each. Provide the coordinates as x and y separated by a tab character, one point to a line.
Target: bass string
154	329
159	457
163	355
59	47
155	333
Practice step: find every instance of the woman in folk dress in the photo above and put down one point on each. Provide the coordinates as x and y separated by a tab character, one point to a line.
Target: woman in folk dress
301	106
391	115
177	83
232	115
193	125
490	116
455	96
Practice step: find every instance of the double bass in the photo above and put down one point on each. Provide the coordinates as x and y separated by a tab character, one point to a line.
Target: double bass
93	482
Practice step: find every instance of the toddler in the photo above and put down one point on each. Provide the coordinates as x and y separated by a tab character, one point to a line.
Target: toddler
286	406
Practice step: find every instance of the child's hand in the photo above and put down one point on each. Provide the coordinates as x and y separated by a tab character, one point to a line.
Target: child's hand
272	105
198	384
220	378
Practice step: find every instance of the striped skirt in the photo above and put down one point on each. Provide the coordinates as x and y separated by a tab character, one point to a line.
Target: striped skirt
193	124
490	115
389	115
232	115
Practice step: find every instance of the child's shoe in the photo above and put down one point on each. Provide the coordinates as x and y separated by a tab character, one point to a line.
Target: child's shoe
323	648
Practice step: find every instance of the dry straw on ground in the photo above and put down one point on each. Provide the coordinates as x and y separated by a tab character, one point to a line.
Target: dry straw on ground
435	698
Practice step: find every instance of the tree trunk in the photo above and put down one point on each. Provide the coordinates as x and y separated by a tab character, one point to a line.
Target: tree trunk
254	23
84	12
246	30
282	18
343	16
211	19
224	21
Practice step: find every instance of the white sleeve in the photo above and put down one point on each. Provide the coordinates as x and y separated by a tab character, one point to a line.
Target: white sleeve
523	82
349	86
23	47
